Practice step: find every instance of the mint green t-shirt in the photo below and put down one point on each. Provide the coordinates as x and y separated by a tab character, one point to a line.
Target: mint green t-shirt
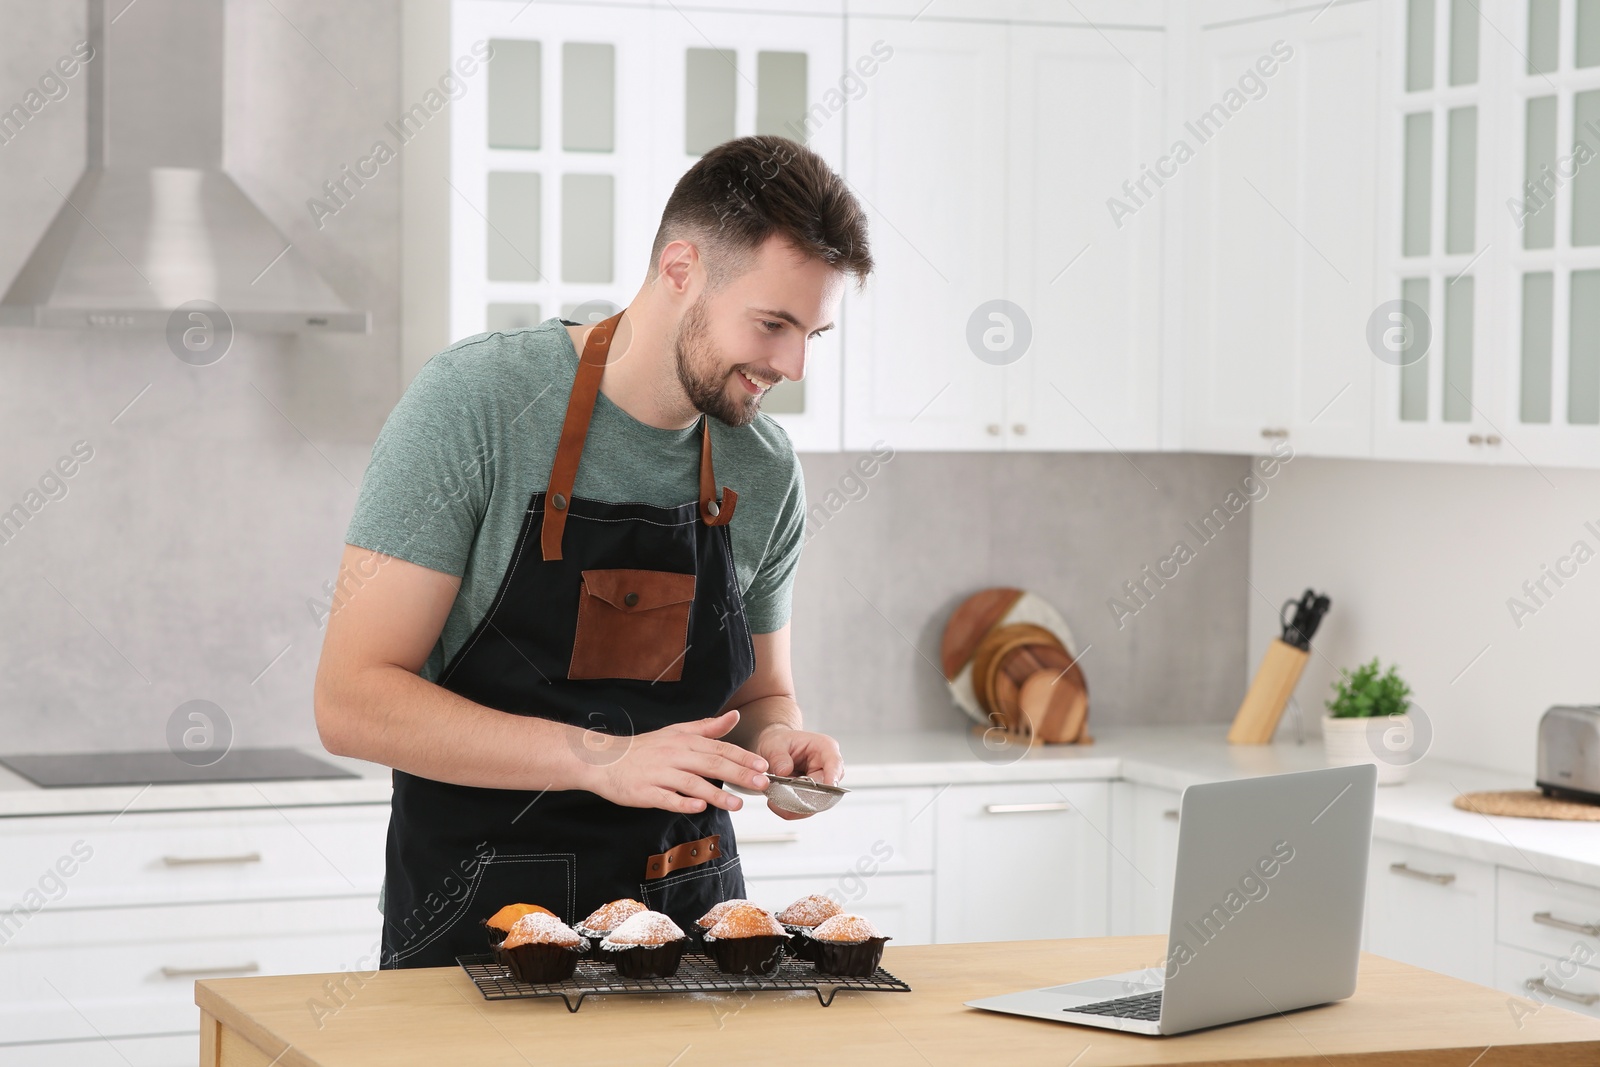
474	437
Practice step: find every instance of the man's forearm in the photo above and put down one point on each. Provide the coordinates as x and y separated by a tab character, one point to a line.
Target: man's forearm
389	715
756	715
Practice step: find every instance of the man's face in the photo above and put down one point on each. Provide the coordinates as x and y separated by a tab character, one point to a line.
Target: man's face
735	343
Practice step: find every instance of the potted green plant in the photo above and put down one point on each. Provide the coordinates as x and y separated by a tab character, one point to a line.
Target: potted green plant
1368	721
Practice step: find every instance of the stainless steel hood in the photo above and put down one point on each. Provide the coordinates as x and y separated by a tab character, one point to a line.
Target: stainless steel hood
155	222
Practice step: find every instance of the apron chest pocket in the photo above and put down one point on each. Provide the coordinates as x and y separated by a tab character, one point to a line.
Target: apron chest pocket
632	624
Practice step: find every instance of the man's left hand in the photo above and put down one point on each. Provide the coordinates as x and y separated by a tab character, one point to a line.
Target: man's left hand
795	753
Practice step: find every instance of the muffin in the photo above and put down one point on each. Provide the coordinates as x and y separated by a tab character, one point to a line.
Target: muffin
801	917
499	924
541	948
746	940
712	917
605	919
847	945
648	944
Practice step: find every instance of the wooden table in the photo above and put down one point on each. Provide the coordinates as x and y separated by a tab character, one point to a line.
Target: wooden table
1399	1015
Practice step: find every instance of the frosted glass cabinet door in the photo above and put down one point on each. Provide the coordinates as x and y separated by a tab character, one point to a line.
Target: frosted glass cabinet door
927	153
1280	223
722	74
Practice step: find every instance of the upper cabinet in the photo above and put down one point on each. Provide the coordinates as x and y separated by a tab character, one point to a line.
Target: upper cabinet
1277	158
1370	227
1491	240
1011	307
562	152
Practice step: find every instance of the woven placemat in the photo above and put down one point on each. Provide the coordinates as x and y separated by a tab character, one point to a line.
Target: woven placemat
1527	804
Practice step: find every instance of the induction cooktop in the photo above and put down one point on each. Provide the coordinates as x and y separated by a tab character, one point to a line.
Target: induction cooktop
61	770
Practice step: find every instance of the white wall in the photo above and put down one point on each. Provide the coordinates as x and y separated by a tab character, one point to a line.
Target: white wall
1420	560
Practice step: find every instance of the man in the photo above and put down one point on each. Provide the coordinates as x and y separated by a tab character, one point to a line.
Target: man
565	661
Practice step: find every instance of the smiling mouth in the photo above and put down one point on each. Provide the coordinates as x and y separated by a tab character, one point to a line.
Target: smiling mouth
755	384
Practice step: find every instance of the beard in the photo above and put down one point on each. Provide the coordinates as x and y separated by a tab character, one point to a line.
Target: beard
701	372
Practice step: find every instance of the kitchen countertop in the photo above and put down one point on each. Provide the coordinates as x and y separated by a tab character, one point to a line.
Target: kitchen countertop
1417	813
1398	1015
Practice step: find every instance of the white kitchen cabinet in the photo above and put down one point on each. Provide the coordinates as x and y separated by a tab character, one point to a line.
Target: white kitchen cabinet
1431	910
722	74
900	905
886	829
1018	861
1279	209
1145	858
191	856
1543	983
1084	115
925	150
75	974
1008	310
564	149
1547	915
119	914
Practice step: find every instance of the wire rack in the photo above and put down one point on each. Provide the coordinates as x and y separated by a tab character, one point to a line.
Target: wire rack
697	973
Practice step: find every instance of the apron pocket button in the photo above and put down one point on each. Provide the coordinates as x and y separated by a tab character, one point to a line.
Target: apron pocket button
558	502
631	599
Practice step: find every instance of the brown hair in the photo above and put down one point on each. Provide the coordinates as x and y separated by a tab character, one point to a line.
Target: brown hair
745	190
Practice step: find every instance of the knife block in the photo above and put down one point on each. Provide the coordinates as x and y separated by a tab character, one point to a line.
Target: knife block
1268	694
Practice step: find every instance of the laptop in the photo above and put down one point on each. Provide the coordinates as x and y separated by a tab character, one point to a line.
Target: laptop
1266	910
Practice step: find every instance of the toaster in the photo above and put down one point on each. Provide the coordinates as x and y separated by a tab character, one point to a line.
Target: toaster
1569	753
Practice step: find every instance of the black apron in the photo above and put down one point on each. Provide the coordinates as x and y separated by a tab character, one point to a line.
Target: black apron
628	621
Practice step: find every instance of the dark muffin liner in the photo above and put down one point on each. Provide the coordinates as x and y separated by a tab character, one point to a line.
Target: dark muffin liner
594	939
541	962
801	945
747	955
858	960
496	935
646	961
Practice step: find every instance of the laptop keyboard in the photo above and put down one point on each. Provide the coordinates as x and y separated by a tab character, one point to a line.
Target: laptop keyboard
1146	1006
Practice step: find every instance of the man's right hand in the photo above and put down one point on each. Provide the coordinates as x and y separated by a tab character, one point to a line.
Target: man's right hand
671	768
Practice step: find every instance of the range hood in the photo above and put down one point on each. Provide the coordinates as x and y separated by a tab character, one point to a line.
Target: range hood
155	222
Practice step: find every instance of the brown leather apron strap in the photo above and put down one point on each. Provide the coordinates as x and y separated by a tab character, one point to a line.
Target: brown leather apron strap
688	854
574	429
715	508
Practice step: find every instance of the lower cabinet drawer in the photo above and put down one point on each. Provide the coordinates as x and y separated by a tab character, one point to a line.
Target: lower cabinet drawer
900	905
89	861
889	829
1541	982
1431	910
1544	915
127	971
168	1050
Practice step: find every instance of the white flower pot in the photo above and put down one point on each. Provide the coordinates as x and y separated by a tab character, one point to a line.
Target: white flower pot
1385	741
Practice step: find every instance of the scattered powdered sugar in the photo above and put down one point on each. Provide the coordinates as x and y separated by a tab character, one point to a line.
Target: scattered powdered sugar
608	917
714	916
540	928
845	929
809	910
643	928
746	920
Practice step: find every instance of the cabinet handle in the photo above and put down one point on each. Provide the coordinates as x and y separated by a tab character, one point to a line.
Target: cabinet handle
1019	428
994	429
1538	986
1170	813
768	839
1544	918
1011	809
191	972
208	861
1274	431
1492	439
1423	876
1474	438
